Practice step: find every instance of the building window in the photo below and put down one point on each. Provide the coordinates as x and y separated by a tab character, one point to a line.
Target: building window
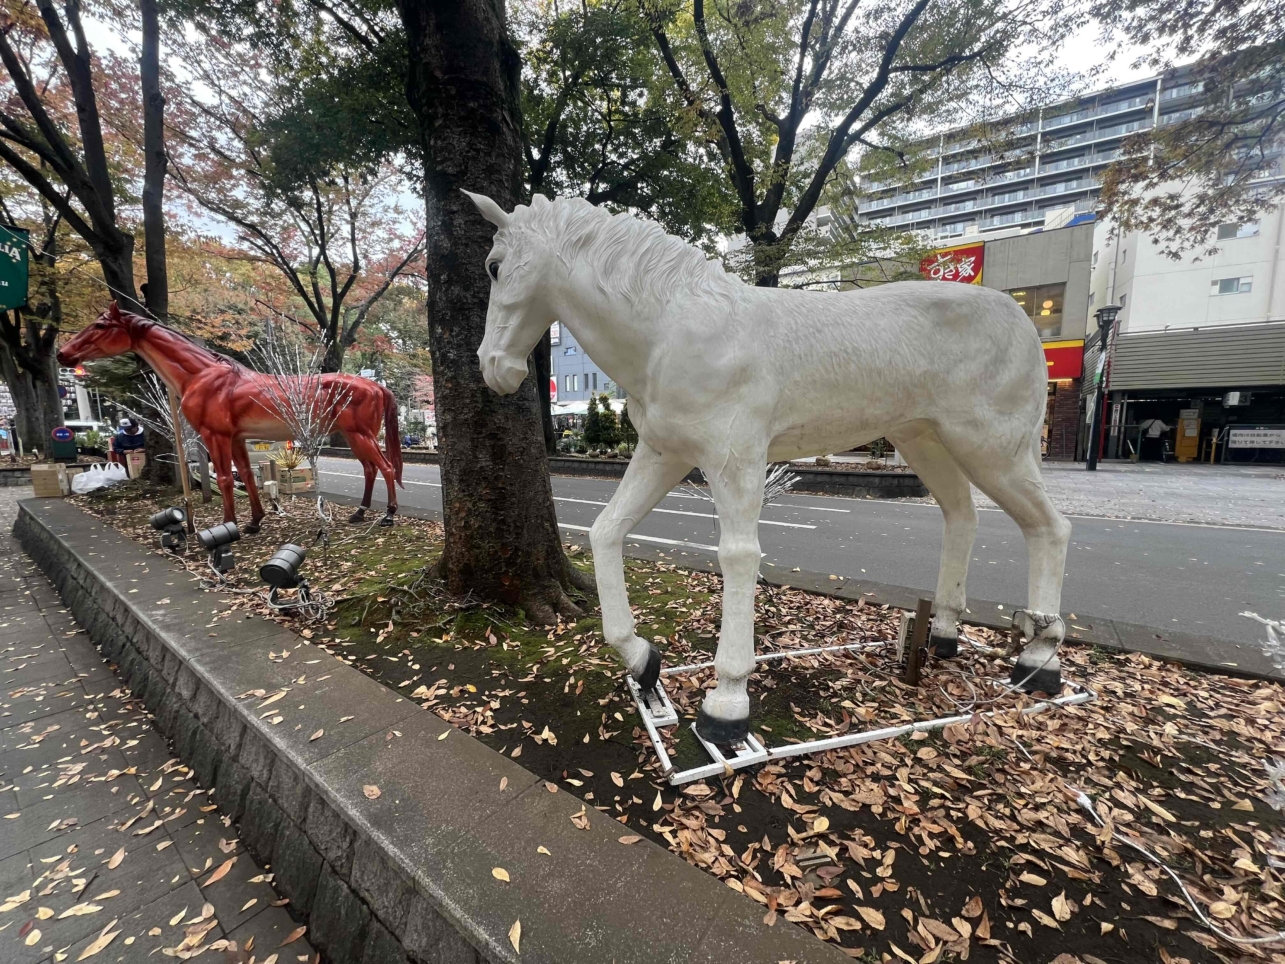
1229	232
555	333
571	383
594	377
1231	286
1043	305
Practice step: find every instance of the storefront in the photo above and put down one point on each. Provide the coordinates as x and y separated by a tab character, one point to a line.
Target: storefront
1216	392
1065	361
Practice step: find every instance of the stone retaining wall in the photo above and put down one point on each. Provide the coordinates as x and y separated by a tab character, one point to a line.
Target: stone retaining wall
404	878
855	483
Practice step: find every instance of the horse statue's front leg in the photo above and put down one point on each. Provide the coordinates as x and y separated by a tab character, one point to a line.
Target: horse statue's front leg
737	488
647	480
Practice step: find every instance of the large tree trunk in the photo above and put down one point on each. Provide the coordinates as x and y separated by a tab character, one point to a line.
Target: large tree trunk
158	287
543	371
35	396
162	457
502	539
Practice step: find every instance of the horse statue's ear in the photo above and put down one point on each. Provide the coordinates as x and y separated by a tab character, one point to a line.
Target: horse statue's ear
489	209
113	311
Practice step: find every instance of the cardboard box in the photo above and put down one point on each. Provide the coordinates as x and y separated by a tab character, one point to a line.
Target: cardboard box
134	462
49	480
295	481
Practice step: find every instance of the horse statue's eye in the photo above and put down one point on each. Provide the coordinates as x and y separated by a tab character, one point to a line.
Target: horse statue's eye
494	268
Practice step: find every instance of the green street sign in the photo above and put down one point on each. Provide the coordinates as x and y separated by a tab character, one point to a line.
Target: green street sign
13	267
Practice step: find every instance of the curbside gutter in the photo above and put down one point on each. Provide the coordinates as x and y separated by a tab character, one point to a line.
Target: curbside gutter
853	483
404	878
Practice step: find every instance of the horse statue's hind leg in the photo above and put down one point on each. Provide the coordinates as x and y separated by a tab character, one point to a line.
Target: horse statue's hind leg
1017	487
737	487
242	459
366	449
647	480
939	471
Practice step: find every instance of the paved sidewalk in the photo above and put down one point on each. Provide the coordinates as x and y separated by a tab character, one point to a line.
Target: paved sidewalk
1235	495
105	840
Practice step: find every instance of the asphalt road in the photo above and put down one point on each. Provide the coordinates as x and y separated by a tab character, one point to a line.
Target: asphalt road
1193	578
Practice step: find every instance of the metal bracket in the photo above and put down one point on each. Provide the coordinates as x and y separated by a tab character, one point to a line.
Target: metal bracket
654	705
746	754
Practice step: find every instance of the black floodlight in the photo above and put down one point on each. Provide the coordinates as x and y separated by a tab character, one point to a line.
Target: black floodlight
168	518
282	570
169	522
216	541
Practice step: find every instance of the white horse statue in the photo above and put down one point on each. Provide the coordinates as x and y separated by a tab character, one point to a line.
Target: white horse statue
729	377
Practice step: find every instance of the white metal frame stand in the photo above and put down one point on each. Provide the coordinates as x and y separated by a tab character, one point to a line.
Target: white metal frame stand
657	711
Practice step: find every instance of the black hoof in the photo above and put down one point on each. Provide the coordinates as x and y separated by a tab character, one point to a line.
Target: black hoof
250	528
1037	679
650	676
358	516
386	522
944	647
721	732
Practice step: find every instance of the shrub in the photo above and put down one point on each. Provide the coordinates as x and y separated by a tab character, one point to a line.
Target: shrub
593	424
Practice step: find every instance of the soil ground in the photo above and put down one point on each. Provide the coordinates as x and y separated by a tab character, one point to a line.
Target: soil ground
960	844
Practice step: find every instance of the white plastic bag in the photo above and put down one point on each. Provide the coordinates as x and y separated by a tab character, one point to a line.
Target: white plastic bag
98	477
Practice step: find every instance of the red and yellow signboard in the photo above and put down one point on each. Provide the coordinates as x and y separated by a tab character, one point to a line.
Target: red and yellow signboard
960	263
1065	359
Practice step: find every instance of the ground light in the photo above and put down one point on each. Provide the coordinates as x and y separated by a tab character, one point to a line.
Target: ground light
169	522
217	541
282	572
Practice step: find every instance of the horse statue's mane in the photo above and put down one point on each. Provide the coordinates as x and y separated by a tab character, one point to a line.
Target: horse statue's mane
633	258
139	326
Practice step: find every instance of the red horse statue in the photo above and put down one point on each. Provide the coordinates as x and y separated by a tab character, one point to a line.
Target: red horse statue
227	403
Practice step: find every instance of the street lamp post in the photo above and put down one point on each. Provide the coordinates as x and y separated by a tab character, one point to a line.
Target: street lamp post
1106	316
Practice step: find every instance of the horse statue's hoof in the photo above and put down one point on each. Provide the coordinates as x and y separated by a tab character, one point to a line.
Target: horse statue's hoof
721	732
250	528
650	676
944	647
358	516
386	522
1037	673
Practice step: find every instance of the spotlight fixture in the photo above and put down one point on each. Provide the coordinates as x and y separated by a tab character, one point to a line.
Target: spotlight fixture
216	540
169	522
282	570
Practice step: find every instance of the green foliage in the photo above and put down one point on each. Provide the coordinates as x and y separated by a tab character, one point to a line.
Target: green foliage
609	426
603	122
593	424
628	434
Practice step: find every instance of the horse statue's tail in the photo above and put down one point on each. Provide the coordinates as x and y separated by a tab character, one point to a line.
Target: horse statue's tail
392	437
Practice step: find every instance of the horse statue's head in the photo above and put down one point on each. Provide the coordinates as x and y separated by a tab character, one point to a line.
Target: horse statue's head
112	333
519	312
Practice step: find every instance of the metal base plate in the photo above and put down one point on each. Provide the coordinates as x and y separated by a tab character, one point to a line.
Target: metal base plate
654	705
743	755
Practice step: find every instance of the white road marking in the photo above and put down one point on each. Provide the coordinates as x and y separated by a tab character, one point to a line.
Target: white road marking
634	535
699	515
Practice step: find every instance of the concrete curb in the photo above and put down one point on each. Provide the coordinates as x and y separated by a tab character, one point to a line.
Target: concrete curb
1206	653
404	878
852	483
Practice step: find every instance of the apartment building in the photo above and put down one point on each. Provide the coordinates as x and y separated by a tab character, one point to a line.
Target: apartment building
1051	161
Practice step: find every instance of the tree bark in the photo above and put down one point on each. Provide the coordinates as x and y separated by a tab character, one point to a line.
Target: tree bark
543	366
35	396
502	540
158	288
156	293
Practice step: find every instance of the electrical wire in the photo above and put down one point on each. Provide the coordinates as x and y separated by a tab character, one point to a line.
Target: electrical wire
1086	803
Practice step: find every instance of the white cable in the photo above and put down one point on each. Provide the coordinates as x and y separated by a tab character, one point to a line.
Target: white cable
1086	803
